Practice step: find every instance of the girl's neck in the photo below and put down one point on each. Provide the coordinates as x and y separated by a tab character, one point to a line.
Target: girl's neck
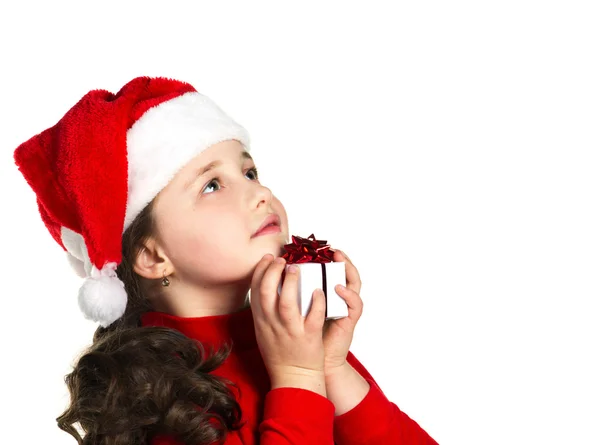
187	304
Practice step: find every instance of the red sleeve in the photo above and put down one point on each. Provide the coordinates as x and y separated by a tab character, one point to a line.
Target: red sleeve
291	416
376	420
296	416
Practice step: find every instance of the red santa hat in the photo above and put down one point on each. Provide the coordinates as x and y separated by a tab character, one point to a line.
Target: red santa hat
104	161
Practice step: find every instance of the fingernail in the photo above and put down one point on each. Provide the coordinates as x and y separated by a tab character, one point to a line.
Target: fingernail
293	269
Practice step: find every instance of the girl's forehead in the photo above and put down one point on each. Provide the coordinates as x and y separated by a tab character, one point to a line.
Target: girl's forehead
224	151
211	158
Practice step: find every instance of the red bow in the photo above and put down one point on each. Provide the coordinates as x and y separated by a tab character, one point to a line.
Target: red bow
307	250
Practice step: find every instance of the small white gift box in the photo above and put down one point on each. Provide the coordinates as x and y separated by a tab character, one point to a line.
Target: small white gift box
320	276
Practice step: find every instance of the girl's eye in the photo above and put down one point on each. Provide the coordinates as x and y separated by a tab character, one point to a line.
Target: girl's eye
212	181
254	171
217	180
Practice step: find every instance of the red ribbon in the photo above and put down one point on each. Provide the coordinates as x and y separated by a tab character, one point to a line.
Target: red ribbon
307	250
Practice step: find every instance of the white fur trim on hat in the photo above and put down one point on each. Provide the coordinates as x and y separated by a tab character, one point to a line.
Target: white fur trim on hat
166	137
77	253
77	265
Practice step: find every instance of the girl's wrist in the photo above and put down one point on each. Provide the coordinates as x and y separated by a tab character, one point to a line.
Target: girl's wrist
312	381
293	377
346	388
338	371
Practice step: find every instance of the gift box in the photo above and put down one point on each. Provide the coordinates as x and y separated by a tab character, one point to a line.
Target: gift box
316	270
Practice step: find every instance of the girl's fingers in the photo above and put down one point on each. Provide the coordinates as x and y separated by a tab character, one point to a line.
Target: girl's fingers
268	288
289	310
316	315
353	300
352	276
257	279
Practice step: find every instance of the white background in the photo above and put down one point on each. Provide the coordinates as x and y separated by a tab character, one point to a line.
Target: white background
450	148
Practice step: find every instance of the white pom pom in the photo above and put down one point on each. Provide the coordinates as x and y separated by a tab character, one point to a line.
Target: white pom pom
102	296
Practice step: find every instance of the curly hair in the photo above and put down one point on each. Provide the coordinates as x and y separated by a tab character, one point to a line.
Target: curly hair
135	382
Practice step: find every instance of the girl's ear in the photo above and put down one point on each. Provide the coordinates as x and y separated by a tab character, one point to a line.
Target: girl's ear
151	262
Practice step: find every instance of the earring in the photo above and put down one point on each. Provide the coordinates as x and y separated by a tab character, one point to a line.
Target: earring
165	280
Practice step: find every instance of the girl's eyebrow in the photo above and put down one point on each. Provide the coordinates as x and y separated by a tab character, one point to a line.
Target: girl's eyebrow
210	166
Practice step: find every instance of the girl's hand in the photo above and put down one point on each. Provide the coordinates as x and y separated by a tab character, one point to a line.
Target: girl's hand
291	345
337	334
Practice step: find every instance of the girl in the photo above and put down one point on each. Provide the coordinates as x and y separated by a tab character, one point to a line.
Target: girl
153	194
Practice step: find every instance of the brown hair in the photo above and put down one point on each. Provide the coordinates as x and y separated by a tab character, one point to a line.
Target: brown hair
134	382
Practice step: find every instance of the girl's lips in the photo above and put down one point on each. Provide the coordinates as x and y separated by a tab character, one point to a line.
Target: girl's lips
272	218
268	230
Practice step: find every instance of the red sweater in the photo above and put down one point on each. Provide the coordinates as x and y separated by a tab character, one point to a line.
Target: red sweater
289	416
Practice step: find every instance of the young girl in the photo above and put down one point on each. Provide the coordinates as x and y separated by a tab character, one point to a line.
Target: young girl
155	198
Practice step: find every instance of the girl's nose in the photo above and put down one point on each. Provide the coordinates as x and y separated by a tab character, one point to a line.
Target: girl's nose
263	195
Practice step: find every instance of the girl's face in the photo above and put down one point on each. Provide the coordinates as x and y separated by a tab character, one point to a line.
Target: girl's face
206	221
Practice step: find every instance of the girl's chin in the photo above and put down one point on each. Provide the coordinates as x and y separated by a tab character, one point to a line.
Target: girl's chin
276	249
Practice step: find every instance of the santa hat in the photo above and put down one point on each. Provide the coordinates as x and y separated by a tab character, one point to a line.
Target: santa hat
104	161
